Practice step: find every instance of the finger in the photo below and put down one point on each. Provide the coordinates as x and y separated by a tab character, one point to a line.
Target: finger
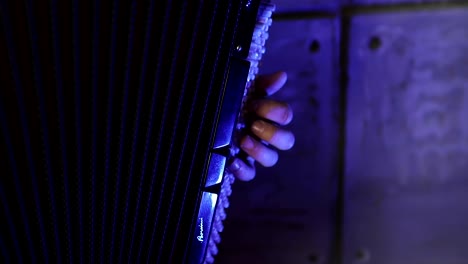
242	171
270	84
280	138
265	156
275	111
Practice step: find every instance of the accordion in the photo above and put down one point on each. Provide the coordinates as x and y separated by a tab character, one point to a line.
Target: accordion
117	122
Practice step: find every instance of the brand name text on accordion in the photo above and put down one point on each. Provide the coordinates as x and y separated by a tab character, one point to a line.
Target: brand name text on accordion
200	237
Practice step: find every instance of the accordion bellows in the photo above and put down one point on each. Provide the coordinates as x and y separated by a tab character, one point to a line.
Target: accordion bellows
116	124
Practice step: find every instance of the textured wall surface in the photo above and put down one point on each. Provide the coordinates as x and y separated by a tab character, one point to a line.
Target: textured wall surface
407	152
405	183
286	214
319	5
303	5
374	2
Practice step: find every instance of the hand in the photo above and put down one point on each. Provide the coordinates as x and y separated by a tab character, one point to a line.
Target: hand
276	114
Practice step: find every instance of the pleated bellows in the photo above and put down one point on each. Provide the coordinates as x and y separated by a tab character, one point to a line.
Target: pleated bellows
106	115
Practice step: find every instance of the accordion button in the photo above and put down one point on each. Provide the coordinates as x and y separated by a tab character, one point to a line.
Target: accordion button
215	170
201	233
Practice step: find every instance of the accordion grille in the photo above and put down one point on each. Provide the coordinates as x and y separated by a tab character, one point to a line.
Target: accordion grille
107	111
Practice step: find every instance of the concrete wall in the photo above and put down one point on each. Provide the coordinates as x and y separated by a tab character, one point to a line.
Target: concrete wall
380	170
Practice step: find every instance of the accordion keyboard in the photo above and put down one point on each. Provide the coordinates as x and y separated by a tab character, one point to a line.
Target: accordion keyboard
257	50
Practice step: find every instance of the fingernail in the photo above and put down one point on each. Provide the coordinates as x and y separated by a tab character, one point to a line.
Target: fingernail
258	127
235	166
247	143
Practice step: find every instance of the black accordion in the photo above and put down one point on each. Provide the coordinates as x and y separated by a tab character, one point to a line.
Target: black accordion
117	122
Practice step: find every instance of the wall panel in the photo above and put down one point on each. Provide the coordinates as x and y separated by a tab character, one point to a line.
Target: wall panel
407	139
286	215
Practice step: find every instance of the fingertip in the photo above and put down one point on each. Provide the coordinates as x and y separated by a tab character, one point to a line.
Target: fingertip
283	76
273	110
279	79
241	170
271	160
262	154
284	140
234	166
270	83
